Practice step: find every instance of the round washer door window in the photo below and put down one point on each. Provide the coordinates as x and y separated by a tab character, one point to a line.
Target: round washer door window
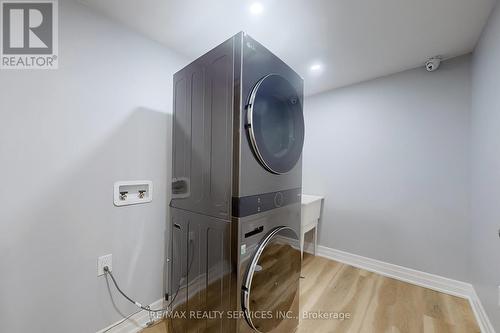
270	288
275	124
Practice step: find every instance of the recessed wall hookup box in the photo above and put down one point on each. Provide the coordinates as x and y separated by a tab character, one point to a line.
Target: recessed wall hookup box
132	192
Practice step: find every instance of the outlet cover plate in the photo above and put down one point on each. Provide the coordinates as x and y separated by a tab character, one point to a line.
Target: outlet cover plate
104	261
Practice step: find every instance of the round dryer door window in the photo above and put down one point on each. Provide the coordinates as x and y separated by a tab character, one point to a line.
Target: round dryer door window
270	291
275	124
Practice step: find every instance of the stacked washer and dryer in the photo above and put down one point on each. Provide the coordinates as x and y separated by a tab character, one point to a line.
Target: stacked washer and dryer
238	132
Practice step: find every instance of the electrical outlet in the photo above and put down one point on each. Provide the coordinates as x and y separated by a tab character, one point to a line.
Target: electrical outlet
104	261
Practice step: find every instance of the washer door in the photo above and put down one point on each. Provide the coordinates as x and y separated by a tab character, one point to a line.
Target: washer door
275	123
270	289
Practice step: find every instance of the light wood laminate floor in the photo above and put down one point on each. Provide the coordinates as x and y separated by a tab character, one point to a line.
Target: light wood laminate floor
376	304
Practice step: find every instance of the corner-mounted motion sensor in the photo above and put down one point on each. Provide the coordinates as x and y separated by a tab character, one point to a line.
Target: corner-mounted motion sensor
433	64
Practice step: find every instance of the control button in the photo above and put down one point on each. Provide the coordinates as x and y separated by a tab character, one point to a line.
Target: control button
278	199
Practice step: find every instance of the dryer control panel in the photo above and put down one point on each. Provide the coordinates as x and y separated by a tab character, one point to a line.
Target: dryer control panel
255	204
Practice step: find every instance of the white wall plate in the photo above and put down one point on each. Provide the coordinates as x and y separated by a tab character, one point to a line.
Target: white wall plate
132	192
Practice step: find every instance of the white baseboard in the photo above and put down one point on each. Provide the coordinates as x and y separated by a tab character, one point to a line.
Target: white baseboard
481	316
135	323
426	280
431	281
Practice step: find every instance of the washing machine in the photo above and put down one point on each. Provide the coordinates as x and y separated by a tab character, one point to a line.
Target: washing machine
269	271
237	276
238	132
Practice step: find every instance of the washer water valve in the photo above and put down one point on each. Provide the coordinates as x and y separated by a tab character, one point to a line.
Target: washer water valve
132	192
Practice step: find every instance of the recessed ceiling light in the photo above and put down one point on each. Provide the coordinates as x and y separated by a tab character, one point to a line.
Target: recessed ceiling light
315	68
256	8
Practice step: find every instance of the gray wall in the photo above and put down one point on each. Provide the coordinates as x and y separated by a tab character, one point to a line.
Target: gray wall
485	222
66	136
390	155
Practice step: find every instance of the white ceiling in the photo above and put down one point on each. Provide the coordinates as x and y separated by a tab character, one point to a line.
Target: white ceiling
355	40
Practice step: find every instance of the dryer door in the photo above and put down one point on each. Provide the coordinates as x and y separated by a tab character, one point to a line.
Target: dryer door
270	290
275	124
